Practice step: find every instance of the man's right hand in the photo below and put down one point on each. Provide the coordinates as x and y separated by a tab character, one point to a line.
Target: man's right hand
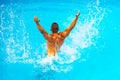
36	19
77	15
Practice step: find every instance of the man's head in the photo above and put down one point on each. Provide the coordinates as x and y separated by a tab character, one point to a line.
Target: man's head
54	27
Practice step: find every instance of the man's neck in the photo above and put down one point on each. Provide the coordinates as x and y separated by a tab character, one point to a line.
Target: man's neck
54	32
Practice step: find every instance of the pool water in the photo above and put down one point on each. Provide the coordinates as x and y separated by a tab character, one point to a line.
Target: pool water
90	52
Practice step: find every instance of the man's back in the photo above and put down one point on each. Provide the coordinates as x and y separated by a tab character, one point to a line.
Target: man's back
54	42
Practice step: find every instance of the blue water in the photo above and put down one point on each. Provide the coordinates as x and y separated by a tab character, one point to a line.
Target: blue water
90	52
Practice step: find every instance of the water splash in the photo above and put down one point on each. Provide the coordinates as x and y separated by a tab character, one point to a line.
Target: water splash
18	48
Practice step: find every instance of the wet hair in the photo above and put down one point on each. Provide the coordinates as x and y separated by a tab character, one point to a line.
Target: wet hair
54	27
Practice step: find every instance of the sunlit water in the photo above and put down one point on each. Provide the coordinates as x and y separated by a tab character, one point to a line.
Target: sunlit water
88	53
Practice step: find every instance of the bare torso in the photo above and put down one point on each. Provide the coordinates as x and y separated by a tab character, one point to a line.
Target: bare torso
54	43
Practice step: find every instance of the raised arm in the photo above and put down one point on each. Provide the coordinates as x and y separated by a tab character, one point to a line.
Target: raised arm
41	29
72	25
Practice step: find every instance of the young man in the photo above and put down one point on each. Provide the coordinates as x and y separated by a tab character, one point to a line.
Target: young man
56	39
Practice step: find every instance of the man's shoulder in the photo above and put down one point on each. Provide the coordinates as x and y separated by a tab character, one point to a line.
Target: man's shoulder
62	34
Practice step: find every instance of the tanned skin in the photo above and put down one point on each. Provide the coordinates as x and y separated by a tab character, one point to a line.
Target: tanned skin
56	39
